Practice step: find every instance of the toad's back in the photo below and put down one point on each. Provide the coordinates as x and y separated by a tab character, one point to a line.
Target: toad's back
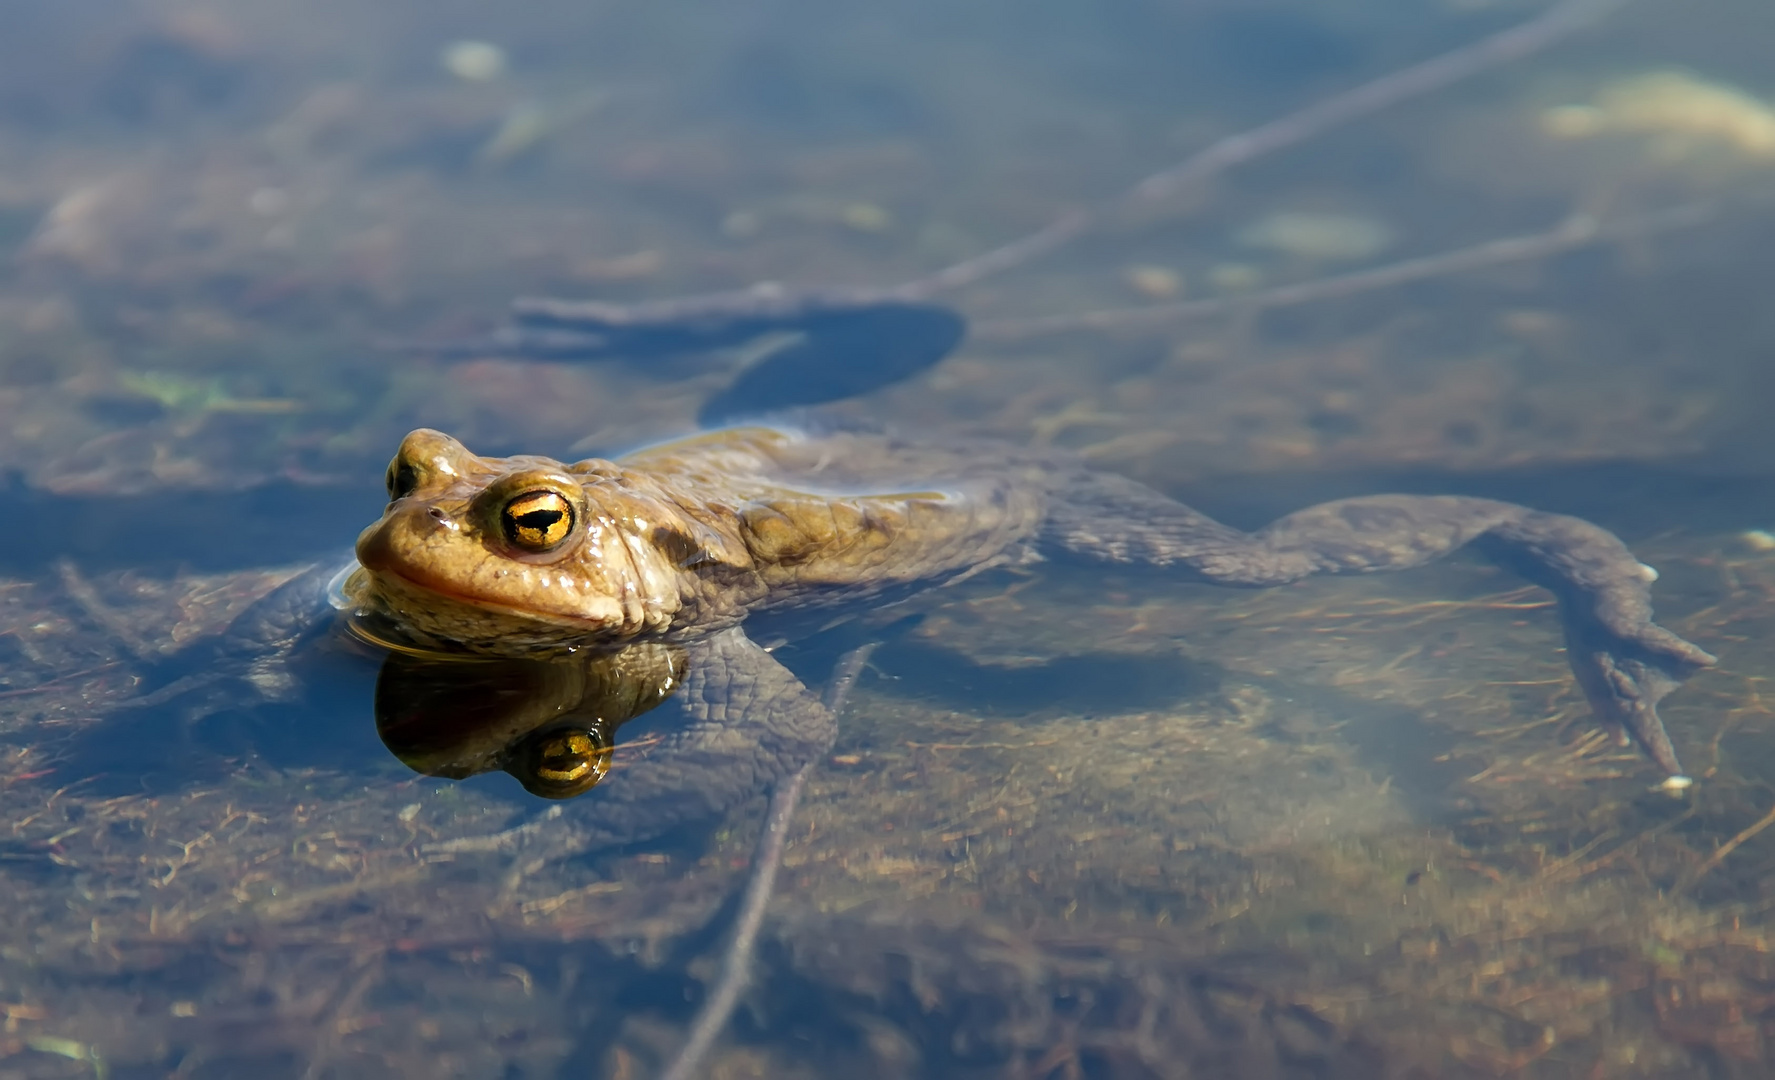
850	509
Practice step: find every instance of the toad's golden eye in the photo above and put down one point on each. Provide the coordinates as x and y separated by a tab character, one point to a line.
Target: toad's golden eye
537	520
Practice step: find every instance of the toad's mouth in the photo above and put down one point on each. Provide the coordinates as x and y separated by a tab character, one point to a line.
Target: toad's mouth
403	590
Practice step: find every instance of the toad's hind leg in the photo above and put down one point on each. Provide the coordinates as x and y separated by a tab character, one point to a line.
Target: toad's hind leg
1624	662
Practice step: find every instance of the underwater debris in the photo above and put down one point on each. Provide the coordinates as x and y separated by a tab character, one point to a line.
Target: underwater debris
1320	237
1681	110
473	61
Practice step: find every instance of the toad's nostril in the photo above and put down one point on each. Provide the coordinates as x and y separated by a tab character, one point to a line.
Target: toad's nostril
437	513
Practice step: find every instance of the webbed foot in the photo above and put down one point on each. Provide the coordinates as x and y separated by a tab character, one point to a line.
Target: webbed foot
1624	672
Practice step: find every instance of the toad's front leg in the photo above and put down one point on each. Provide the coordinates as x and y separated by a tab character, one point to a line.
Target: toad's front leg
1624	662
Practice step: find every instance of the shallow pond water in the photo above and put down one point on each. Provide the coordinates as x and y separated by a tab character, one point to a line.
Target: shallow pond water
1077	823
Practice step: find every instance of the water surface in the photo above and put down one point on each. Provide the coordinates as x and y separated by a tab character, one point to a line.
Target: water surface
1077	823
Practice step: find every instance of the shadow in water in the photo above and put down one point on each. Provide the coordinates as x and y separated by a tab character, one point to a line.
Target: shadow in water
225	726
1082	684
1387	740
204	530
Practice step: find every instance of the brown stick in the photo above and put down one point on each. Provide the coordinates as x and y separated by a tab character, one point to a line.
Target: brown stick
835	318
1720	853
1575	232
1551	26
736	969
712	1018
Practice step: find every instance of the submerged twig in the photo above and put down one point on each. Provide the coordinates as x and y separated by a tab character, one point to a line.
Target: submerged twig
1575	232
1721	853
81	591
1523	39
901	329
736	969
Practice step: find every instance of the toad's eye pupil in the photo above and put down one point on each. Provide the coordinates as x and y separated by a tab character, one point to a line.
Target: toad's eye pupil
537	520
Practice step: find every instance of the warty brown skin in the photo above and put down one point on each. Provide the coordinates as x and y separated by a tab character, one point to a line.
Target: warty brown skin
529	556
676	541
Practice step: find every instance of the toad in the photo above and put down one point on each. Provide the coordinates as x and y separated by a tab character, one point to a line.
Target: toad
697	542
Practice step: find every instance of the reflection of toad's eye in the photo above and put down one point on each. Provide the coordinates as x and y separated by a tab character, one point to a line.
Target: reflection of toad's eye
562	763
537	520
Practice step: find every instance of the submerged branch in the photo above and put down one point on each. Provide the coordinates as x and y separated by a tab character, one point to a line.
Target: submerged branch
1524	39
1575	232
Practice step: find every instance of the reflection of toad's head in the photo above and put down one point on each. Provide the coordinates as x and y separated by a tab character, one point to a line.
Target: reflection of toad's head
512	556
550	723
